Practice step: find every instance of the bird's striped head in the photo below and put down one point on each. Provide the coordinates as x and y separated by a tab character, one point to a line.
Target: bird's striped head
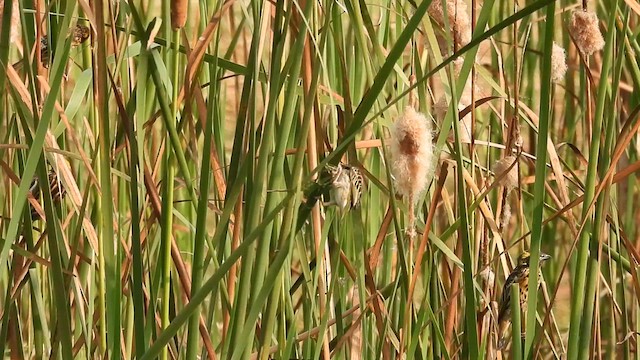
524	258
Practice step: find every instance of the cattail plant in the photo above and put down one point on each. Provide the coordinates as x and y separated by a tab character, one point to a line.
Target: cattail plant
585	32
558	63
506	171
457	18
219	249
411	156
179	13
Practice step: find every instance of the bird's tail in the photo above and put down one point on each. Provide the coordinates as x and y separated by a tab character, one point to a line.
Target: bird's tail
503	334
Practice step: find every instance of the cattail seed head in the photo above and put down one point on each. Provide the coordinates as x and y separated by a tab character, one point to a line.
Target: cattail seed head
411	158
489	276
411	153
457	17
178	13
558	63
585	31
507	179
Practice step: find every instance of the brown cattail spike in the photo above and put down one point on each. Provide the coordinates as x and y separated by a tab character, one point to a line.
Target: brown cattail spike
178	13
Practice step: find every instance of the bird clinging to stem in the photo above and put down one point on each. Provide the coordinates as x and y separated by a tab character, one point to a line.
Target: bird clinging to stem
520	276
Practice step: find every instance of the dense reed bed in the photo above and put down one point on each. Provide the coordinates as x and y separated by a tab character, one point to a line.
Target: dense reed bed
319	179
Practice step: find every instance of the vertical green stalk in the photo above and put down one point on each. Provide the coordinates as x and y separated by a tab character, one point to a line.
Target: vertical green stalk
516	326
57	252
248	95
138	278
166	234
5	32
109	250
275	87
277	173
541	173
167	199
198	265
286	237
599	226
579	283
254	202
136	137
470	342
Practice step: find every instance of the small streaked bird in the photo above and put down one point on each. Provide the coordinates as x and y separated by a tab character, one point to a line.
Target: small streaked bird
520	276
57	191
79	34
345	183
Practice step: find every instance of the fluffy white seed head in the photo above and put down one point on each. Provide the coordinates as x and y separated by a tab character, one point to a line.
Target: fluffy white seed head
507	179
585	31
411	153
457	17
505	218
558	63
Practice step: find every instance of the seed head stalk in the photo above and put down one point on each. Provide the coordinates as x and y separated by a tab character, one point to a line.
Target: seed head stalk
579	282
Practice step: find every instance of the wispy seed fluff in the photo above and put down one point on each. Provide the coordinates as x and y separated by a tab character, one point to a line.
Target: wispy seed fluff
586	32
14	36
411	155
442	105
506	215
457	16
507	179
558	63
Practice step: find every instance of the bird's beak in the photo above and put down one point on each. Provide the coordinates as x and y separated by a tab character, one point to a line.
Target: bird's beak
544	257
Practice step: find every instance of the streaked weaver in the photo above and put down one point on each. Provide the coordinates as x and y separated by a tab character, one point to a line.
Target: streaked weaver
345	186
57	191
520	276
